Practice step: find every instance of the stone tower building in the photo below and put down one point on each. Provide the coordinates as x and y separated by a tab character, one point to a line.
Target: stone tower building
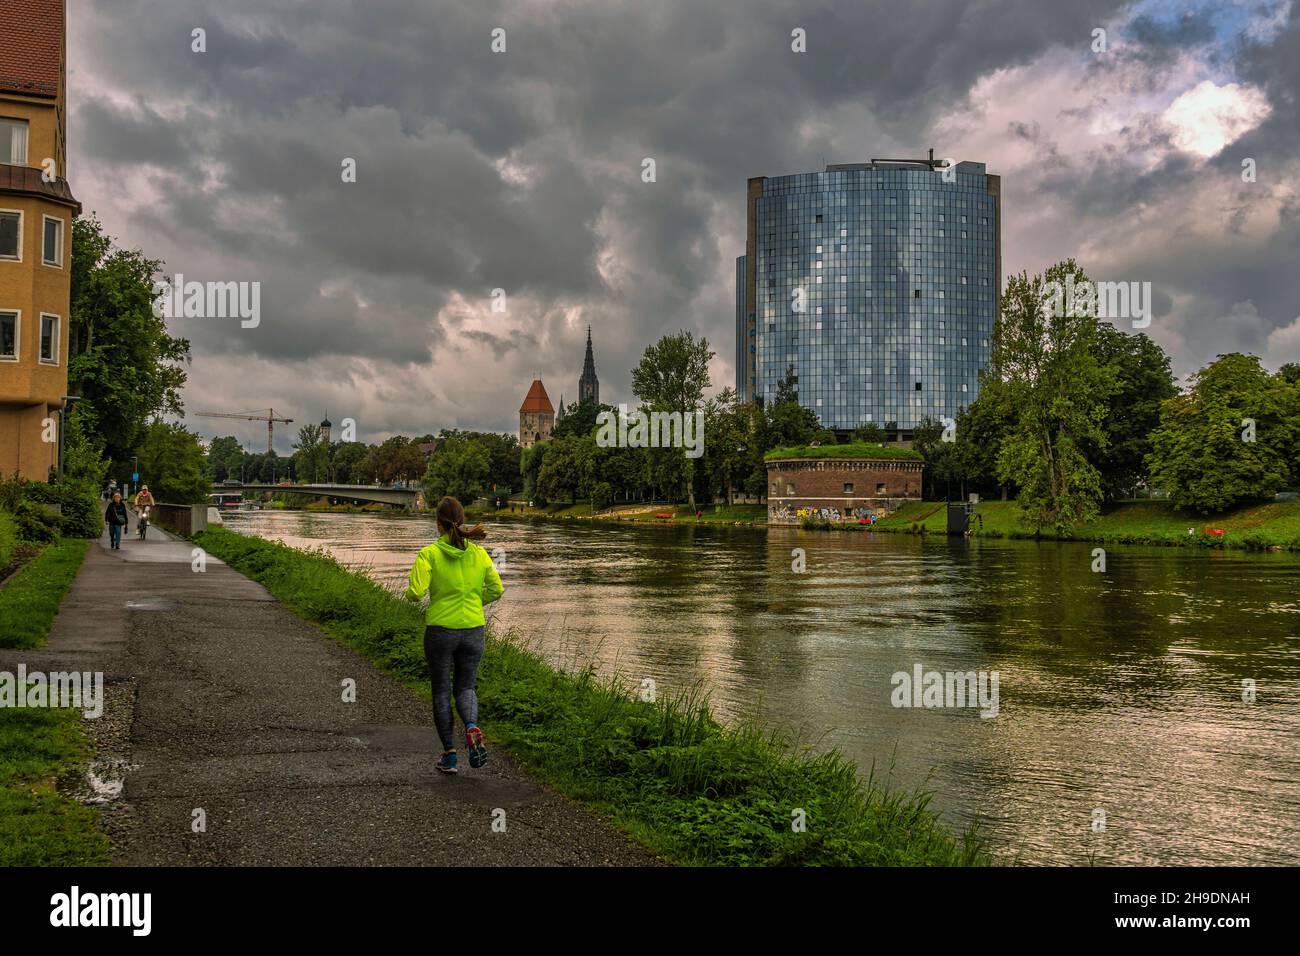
589	385
536	416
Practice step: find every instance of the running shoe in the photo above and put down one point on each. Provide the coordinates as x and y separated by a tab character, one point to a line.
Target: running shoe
447	762
478	754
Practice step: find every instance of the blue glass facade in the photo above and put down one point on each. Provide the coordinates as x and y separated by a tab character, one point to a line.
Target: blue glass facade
744	341
877	283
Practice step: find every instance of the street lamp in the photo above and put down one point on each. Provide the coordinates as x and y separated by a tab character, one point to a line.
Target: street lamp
63	417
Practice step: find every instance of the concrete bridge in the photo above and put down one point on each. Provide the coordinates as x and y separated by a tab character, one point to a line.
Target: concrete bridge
406	497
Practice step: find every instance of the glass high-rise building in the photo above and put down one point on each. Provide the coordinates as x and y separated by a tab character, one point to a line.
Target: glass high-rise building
877	283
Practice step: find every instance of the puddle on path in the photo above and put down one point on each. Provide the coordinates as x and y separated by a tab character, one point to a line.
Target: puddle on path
150	604
104	781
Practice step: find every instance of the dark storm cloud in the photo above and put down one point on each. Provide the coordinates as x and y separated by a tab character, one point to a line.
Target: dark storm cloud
518	171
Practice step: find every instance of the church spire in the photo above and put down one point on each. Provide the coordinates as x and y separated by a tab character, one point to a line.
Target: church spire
589	385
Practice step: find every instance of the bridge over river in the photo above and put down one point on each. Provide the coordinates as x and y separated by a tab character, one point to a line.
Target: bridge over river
406	497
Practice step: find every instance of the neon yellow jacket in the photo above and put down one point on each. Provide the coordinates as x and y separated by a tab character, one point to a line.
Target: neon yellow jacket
458	583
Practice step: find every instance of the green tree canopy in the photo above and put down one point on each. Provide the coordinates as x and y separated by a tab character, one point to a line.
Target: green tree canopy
672	376
1059	392
461	467
1233	436
173	465
123	361
1143	382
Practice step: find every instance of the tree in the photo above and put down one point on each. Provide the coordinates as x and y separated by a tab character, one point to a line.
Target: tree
531	460
981	426
172	464
672	376
122	361
579	418
224	458
310	454
461	468
1233	436
1059	390
557	480
940	458
868	434
732	448
397	459
1143	382
347	458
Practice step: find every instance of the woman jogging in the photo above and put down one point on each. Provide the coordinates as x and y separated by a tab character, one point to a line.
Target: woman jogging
460	579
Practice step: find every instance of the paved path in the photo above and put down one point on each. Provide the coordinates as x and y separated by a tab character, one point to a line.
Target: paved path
222	700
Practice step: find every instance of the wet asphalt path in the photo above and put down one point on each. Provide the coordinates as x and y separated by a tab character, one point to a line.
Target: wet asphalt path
224	707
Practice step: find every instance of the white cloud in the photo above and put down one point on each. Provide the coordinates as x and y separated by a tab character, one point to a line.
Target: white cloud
1208	117
1284	344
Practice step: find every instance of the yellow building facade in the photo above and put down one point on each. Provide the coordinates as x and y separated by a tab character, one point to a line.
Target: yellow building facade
36	212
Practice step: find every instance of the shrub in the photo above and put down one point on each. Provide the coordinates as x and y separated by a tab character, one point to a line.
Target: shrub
36	523
81	517
8	538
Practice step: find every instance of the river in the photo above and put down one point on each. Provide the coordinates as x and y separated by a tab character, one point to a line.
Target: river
1118	691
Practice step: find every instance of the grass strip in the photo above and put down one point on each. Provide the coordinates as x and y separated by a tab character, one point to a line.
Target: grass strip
30	599
38	825
690	789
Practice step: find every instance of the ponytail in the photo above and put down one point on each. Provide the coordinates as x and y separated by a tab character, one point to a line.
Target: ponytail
451	521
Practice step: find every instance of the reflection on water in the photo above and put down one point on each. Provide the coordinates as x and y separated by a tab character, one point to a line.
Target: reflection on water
1120	691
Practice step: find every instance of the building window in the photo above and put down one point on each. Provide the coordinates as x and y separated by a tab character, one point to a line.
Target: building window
13	142
49	339
963	386
11	234
819	218
773	488
52	251
789	490
8	336
848	487
880	488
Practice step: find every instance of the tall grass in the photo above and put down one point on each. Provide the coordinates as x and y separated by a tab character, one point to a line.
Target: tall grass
692	790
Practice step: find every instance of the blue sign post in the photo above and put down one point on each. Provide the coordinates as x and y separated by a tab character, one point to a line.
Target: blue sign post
135	476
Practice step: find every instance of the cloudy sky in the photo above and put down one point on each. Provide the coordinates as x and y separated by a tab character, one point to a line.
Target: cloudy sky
521	171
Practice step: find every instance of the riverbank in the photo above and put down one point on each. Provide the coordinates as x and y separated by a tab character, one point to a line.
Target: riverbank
1273	525
690	789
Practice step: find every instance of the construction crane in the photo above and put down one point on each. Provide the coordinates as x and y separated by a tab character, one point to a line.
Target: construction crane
267	416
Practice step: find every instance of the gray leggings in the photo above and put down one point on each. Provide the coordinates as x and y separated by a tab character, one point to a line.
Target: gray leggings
445	647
